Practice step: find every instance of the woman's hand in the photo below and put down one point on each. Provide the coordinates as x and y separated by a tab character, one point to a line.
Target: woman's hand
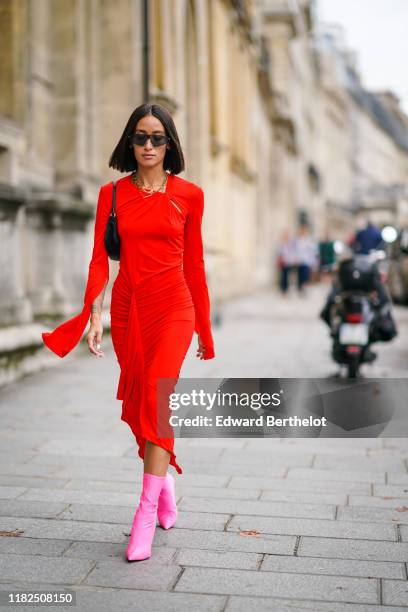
94	337
201	349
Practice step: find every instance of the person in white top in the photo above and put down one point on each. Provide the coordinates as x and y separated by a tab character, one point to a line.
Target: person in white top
306	255
286	260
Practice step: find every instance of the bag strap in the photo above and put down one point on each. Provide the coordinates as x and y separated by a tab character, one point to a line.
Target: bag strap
113	198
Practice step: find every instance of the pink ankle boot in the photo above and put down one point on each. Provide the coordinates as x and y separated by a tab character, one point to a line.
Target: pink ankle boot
144	522
167	508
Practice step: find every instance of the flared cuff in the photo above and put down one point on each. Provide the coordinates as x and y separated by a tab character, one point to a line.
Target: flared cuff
67	335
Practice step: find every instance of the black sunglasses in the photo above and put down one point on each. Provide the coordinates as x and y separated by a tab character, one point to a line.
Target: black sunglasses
140	139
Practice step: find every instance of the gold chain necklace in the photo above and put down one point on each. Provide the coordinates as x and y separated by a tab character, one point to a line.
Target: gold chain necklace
136	180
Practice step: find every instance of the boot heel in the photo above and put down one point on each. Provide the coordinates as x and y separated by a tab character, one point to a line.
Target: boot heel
167	507
144	521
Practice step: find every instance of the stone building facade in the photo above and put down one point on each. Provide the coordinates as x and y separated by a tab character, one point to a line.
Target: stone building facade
363	143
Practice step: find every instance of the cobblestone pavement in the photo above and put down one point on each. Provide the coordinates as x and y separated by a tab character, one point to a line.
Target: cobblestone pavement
276	524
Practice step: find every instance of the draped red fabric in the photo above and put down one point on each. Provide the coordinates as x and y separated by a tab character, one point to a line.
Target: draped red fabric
159	298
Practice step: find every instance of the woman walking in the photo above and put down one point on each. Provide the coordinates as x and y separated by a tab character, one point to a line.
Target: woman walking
159	298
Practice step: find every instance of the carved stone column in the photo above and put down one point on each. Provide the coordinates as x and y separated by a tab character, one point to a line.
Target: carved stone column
57	227
14	305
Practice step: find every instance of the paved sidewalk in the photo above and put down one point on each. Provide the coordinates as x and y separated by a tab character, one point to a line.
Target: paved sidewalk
277	524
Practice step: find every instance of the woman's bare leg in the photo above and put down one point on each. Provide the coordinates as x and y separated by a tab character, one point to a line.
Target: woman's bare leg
156	459
165	366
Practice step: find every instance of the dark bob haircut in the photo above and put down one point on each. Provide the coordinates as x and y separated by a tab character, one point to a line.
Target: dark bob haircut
123	158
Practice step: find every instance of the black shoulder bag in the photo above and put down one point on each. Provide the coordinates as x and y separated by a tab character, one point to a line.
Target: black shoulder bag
112	239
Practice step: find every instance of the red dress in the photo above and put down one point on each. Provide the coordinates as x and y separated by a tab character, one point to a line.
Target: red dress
159	297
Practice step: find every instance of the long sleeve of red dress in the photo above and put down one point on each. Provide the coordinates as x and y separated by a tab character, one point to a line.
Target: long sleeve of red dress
194	272
67	335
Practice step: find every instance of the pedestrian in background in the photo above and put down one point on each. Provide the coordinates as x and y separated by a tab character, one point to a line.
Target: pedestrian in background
327	254
306	256
286	260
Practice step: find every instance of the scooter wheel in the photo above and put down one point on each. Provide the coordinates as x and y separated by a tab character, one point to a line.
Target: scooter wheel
353	368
